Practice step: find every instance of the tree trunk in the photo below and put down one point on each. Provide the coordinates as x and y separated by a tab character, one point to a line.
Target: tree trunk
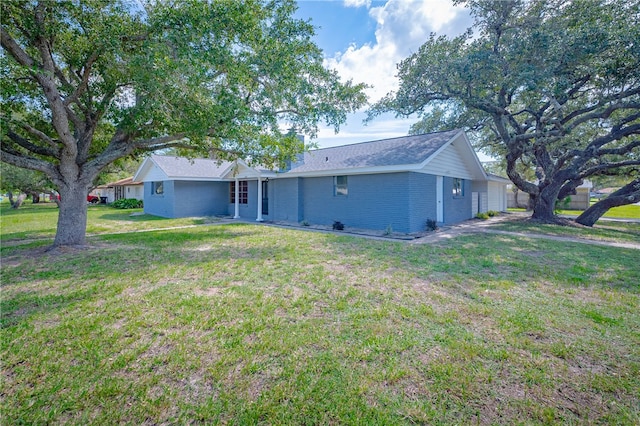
19	201
35	197
628	194
544	204
72	218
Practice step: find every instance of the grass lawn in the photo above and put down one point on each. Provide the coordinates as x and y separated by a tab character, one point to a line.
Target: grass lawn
630	211
38	221
247	324
602	231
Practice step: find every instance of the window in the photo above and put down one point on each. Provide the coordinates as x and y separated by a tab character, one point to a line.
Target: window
243	192
157	188
340	185
458	187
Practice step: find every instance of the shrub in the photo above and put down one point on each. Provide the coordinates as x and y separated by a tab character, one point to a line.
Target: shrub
562	205
337	225
127	203
493	213
431	225
388	230
304	223
483	216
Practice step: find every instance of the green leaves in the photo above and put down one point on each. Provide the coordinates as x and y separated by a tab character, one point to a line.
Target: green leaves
552	84
202	71
85	83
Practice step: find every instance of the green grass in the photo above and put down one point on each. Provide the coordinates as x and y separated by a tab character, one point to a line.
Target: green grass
244	324
38	221
630	211
603	231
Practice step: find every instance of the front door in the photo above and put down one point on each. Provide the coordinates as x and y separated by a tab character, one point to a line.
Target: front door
439	197
265	197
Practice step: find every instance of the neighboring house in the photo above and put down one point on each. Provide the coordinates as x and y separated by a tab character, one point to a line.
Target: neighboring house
399	183
123	188
127	188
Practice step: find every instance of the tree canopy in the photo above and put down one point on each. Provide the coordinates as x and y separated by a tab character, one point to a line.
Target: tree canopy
87	82
550	83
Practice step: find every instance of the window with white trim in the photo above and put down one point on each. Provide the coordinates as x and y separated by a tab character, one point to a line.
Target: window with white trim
458	187
243	192
157	188
340	187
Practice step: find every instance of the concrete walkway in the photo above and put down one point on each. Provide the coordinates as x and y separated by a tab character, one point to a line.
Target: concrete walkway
484	227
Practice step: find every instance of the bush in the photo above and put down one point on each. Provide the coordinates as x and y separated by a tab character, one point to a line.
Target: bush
483	216
127	203
337	225
562	205
431	225
493	213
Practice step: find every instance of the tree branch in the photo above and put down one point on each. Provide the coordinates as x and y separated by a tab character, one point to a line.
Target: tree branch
18	159
36	149
619	151
602	167
40	135
16	52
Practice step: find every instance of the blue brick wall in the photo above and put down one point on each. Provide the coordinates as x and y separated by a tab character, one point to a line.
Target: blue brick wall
200	198
456	209
422	200
159	205
373	201
285	199
186	199
403	201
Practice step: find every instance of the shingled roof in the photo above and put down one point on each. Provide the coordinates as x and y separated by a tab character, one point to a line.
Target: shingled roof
404	153
179	167
405	150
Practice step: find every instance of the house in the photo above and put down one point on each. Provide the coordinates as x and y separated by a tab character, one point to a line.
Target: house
399	183
123	188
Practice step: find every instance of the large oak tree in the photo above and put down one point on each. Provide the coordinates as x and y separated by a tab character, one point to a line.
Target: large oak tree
550	83
85	82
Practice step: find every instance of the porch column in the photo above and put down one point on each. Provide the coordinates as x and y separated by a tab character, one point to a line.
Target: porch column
259	219
237	199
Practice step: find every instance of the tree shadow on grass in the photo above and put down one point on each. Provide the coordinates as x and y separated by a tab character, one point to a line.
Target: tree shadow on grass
38	281
121	215
477	258
27	304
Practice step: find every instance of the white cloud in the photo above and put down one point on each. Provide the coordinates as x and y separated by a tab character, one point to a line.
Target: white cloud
402	26
357	3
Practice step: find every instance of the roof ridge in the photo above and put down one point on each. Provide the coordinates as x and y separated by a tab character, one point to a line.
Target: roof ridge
385	139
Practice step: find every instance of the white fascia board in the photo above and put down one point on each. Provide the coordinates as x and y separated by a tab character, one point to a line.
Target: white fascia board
476	161
147	166
196	179
470	153
354	171
243	169
141	172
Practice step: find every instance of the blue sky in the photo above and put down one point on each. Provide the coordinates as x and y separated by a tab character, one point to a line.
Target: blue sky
364	40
